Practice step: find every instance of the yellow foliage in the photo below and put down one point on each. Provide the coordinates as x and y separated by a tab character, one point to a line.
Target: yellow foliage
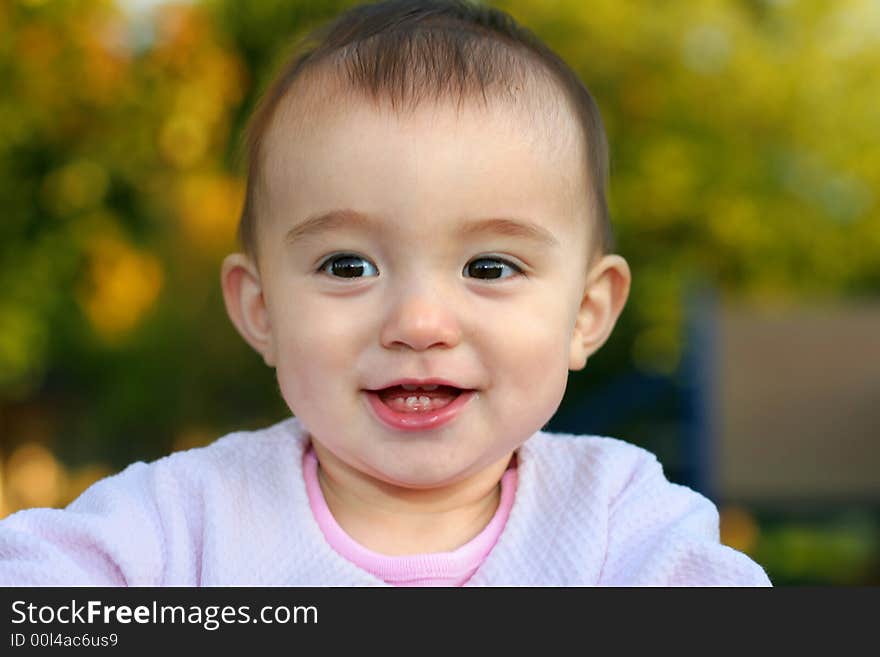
209	206
37	44
735	221
183	140
665	189
123	285
23	342
76	186
181	31
739	529
32	477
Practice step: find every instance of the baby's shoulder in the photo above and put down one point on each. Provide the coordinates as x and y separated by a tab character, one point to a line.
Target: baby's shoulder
588	446
239	447
598	472
248	454
610	461
227	463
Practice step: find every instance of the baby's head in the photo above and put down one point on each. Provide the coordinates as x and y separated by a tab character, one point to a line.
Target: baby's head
426	205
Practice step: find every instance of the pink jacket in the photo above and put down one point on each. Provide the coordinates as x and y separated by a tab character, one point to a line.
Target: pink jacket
588	511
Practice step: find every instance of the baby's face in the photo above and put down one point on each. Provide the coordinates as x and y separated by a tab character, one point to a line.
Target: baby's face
433	245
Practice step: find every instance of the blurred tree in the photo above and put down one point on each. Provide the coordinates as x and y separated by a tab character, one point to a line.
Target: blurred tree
744	143
114	136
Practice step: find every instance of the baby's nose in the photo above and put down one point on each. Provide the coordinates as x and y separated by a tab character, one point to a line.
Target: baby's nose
421	320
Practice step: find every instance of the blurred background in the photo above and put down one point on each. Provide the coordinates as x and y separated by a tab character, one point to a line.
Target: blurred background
745	147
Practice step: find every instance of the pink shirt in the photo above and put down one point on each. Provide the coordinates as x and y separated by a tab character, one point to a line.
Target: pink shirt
436	569
589	511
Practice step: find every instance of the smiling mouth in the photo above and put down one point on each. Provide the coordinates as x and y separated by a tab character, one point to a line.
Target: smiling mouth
421	399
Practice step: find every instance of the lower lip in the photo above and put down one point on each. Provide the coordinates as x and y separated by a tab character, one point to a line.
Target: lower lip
418	420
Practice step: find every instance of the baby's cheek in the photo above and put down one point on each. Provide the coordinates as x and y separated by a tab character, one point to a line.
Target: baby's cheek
293	382
535	376
299	372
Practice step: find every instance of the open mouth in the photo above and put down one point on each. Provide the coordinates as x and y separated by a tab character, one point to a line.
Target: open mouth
416	408
418	399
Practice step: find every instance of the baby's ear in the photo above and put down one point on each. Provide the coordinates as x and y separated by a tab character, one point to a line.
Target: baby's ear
604	297
245	304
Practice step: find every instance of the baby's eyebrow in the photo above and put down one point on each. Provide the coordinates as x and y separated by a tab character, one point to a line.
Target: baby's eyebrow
352	219
326	222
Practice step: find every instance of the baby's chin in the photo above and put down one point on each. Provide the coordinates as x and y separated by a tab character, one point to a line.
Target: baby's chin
389	469
426	478
417	466
418	477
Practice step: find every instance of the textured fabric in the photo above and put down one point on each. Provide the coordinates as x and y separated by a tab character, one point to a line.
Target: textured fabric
437	569
588	511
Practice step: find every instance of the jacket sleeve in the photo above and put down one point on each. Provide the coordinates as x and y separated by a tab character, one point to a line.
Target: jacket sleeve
663	534
110	536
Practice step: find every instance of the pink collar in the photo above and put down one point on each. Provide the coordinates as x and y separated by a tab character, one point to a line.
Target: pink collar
434	569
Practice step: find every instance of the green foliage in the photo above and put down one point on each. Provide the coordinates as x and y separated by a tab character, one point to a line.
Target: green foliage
114	141
832	549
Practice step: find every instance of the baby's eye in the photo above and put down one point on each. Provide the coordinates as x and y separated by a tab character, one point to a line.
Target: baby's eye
347	265
487	268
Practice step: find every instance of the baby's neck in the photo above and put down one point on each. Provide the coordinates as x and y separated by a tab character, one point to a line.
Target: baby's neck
397	521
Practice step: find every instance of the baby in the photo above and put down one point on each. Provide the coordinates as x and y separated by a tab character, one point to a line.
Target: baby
426	253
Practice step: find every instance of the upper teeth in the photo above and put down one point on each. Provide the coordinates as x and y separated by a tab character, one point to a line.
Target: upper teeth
410	388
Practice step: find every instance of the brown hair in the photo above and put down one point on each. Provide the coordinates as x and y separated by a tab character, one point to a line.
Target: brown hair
406	50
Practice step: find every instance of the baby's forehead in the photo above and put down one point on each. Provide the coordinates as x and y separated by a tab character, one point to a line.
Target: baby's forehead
354	147
535	108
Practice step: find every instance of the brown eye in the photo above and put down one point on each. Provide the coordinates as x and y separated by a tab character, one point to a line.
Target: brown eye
348	266
491	268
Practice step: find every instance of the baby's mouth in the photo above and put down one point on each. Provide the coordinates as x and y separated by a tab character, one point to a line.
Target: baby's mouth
417	399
